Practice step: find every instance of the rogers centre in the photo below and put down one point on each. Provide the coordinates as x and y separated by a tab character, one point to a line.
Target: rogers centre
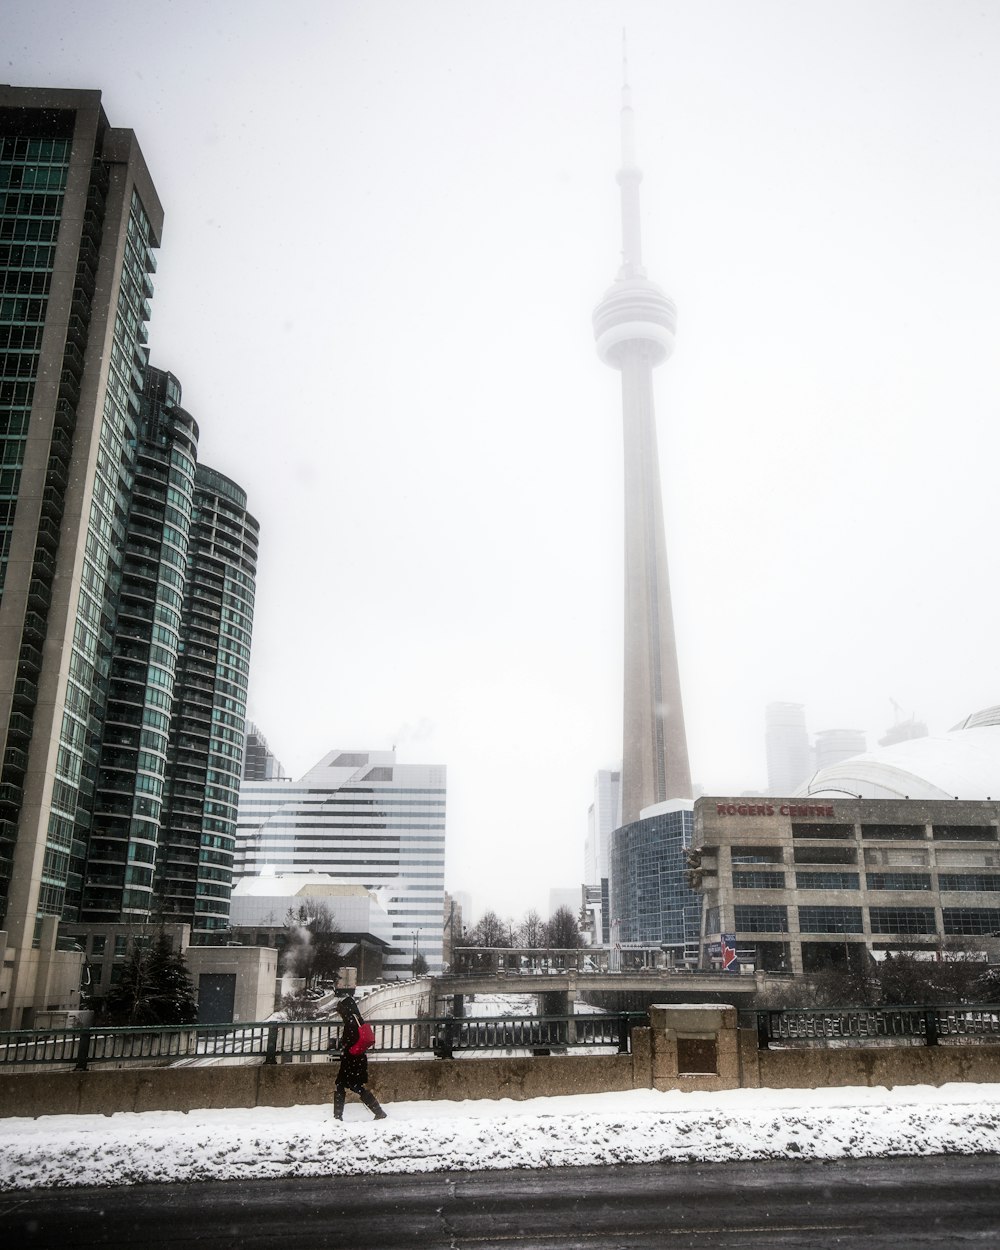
801	886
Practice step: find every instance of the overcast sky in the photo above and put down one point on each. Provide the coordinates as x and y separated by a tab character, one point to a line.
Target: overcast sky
386	227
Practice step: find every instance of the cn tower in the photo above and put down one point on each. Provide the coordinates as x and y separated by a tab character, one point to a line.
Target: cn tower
634	328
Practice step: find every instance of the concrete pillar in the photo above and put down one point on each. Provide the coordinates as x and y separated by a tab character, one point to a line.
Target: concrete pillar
694	1046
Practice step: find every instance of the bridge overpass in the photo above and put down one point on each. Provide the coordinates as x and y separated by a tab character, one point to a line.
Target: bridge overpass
557	990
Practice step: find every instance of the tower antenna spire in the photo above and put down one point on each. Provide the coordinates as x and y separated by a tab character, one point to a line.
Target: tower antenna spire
624	59
629	177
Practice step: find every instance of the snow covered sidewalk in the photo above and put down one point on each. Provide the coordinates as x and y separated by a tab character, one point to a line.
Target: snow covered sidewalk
640	1126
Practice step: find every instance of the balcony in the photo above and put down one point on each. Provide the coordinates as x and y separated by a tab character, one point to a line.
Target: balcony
25	693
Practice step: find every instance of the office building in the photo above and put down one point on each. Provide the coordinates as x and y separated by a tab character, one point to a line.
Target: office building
603	817
361	818
100	499
798	884
259	762
652	901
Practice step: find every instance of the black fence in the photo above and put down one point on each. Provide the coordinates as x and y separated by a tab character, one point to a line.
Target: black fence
283	1042
926	1026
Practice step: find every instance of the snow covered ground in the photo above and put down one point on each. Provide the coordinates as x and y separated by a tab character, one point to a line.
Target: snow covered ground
640	1126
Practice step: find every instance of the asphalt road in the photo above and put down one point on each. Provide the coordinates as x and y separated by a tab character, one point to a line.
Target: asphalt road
949	1200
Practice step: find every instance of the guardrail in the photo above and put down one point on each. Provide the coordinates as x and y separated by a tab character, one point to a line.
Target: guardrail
908	1024
273	1041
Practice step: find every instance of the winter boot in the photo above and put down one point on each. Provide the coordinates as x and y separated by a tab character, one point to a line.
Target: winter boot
372	1103
339	1096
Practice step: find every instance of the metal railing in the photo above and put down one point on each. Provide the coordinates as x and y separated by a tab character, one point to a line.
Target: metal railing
285	1041
907	1025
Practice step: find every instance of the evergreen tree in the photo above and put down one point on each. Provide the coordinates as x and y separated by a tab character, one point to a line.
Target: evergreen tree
173	999
155	987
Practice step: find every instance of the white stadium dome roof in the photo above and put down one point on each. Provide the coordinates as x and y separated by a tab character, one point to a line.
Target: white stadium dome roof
963	763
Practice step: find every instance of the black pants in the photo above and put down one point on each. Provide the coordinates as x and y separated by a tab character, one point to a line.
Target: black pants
366	1096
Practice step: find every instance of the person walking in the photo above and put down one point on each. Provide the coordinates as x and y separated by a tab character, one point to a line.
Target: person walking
353	1071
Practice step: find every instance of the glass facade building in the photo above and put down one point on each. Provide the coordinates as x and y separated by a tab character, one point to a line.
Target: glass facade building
364	819
195	859
121	850
79	219
652	903
106	525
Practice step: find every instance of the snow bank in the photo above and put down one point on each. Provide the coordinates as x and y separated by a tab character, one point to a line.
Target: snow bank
639	1126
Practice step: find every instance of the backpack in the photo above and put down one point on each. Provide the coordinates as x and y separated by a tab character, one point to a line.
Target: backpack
366	1039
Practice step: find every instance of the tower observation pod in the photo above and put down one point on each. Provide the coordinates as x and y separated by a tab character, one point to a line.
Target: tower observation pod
634	326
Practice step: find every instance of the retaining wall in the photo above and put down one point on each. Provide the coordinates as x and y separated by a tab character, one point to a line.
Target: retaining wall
693	1047
294	1084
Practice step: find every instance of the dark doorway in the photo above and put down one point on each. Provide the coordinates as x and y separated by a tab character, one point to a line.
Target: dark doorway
216	997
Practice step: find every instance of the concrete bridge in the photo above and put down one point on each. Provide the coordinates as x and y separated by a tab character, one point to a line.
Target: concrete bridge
626	978
557	989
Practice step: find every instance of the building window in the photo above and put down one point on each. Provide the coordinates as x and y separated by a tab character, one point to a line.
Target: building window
822	831
761	918
827	880
758	880
969	881
830	920
902	919
895	833
965	833
755	855
899	881
825	855
971	921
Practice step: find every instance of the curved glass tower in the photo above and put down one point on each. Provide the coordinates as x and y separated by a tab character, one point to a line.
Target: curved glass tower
195	861
125	830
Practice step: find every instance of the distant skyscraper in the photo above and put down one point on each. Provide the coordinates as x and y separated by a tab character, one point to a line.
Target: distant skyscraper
830	746
603	817
259	762
568	896
363	818
787	743
634	329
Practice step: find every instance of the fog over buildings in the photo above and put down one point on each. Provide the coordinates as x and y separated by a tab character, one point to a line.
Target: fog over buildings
385	229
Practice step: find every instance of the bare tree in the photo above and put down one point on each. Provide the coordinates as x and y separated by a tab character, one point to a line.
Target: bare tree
489	931
312	943
531	932
563	931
